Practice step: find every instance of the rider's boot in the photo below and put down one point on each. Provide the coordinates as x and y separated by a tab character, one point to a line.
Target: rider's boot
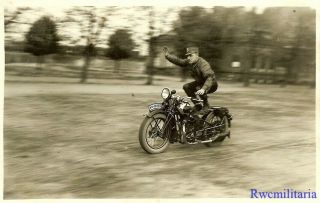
204	109
201	108
205	106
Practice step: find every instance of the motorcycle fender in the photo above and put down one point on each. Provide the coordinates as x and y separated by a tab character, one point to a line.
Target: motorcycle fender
150	114
222	111
155	106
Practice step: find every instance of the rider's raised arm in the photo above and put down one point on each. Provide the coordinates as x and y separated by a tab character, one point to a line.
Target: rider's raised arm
176	60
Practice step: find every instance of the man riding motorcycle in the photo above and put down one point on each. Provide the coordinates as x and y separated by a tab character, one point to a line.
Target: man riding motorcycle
205	81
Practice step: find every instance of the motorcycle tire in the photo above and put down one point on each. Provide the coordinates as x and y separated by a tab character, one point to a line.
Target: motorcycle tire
149	127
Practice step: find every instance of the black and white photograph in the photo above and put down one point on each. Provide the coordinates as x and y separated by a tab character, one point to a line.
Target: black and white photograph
159	100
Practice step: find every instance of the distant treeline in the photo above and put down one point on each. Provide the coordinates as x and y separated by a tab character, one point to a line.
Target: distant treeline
76	50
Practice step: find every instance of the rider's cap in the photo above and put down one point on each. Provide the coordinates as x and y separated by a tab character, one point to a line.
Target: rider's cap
192	50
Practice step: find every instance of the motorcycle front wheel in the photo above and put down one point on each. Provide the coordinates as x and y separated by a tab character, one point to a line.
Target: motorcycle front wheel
152	137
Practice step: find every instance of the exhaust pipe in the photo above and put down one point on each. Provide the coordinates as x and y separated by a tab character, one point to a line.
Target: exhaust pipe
211	140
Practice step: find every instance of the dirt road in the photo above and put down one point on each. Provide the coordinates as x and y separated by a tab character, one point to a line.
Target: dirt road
80	141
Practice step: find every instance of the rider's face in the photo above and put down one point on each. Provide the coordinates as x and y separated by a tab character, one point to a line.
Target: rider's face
192	58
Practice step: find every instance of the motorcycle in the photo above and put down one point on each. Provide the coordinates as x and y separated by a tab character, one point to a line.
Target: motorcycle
176	120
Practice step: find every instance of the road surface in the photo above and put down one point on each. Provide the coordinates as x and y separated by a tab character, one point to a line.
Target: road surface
66	140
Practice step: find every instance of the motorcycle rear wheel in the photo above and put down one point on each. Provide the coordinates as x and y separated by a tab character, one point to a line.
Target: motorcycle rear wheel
150	135
224	129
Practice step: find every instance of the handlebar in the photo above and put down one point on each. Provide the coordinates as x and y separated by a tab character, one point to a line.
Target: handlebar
197	99
192	99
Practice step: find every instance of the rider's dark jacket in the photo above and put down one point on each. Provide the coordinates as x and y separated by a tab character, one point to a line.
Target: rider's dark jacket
200	70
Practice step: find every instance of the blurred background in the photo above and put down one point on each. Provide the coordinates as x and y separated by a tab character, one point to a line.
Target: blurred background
78	80
273	45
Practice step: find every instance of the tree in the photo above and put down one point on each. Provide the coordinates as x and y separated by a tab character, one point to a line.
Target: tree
153	23
120	47
151	44
156	22
197	27
42	38
90	22
293	36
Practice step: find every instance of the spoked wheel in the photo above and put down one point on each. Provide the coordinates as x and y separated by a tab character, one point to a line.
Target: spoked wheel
222	131
152	137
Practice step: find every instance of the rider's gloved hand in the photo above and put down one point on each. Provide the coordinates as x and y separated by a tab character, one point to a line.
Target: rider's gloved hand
200	92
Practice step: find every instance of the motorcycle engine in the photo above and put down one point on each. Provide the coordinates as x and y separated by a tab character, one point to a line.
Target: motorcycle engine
184	107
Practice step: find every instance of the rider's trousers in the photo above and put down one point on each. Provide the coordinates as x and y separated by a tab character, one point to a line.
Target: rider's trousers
192	87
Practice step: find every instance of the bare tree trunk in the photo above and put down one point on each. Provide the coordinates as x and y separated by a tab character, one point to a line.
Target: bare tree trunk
150	66
40	61
39	66
246	69
152	53
117	64
85	68
246	82
150	63
150	75
89	52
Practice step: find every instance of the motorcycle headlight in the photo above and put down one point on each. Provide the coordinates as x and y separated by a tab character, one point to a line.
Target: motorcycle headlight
165	93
